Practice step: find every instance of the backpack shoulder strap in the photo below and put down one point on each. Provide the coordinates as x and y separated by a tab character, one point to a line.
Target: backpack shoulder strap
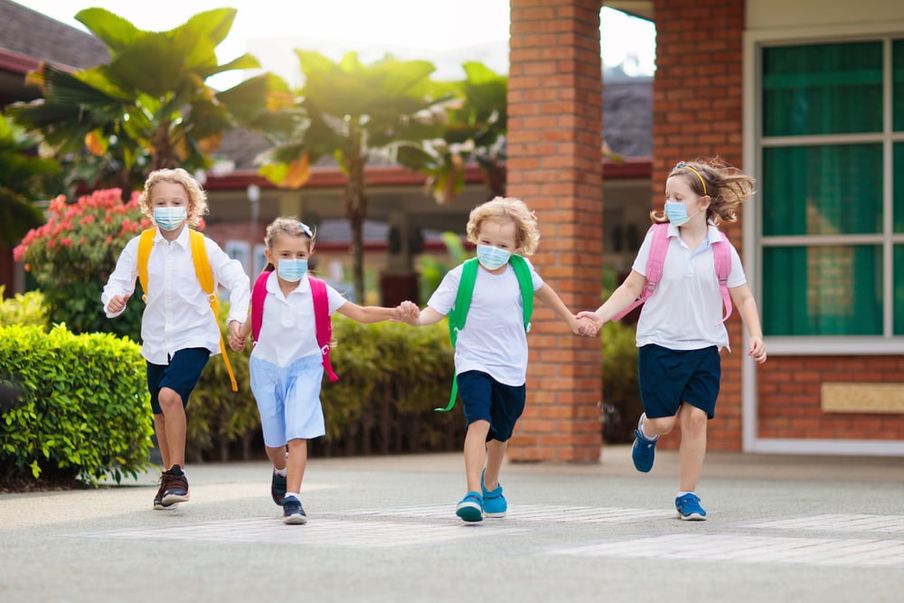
659	248
458	315
209	285
145	244
258	297
722	264
323	326
526	284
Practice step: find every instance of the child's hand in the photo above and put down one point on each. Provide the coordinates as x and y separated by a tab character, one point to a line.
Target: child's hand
590	323
117	303
409	312
757	349
236	341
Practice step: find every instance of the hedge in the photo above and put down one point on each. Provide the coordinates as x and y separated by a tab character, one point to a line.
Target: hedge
83	411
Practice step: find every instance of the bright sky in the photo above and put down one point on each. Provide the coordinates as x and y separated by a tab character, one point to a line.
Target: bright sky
429	29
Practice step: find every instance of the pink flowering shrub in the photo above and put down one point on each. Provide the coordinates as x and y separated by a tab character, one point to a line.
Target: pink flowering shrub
72	255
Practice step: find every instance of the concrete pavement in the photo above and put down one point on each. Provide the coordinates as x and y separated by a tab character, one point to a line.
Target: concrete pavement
383	529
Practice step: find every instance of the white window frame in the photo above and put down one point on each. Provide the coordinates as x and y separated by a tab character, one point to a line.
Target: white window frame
754	42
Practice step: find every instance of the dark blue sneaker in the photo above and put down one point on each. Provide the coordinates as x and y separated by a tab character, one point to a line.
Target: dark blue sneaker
643	453
292	511
689	508
494	503
470	508
278	488
174	486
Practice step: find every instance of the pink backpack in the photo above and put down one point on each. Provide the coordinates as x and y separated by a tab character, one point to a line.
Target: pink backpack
323	326
656	261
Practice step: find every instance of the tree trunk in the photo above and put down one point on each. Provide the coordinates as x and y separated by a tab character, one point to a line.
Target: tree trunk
356	209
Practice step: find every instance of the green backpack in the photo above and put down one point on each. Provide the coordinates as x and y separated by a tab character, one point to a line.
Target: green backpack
458	315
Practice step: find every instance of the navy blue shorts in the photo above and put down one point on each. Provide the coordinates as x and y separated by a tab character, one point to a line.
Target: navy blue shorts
670	377
485	399
180	375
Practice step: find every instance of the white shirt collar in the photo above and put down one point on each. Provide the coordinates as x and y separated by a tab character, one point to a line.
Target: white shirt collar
273	285
182	239
712	233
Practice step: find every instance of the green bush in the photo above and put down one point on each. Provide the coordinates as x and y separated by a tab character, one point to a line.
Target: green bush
391	376
27	309
621	393
84	412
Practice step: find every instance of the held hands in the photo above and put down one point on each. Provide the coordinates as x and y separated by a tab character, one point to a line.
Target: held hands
589	324
236	340
117	303
757	349
580	325
407	312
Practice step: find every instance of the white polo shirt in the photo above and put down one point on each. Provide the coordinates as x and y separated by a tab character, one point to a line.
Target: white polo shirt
178	314
493	340
685	312
287	328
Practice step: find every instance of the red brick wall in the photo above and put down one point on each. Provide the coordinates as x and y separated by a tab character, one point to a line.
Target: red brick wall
789	397
554	140
697	112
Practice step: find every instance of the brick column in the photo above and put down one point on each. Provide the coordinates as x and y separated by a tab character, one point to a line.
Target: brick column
697	111
554	141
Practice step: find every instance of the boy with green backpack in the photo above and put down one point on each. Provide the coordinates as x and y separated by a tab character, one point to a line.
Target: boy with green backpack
489	301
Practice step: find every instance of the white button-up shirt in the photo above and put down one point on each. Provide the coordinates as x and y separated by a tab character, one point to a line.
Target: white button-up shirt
288	326
178	314
685	312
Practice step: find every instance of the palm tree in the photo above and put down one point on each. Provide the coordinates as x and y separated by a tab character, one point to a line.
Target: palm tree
26	178
469	128
150	106
349	111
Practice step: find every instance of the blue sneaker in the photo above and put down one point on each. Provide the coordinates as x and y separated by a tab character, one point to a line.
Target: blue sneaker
278	487
470	508
643	452
494	504
293	512
689	508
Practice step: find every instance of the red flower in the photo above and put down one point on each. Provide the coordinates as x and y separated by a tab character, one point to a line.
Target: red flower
65	242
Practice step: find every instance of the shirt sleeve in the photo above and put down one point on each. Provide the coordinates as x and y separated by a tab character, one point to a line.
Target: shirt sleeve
736	277
443	298
122	280
336	300
640	262
231	276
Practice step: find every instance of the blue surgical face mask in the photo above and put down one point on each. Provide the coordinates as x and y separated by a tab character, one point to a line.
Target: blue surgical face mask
291	270
170	217
677	213
492	257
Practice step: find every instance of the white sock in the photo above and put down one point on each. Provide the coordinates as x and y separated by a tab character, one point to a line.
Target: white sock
644	431
281	472
295	494
680	494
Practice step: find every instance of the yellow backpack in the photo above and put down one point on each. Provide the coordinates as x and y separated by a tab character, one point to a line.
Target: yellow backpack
205	279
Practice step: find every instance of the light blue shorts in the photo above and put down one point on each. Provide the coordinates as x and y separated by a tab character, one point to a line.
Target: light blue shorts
288	399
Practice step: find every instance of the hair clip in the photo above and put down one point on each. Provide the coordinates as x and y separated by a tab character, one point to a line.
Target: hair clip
306	229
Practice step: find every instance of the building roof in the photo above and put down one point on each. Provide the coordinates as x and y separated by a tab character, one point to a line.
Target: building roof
34	35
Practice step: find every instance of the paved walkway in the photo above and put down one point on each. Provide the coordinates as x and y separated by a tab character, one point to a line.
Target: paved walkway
383	529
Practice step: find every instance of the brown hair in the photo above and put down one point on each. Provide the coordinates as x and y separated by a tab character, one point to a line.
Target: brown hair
527	235
726	186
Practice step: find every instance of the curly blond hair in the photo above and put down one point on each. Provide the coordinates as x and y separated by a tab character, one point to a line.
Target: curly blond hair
527	235
727	187
197	198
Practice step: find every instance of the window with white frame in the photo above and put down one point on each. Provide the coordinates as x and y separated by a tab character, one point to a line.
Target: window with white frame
831	219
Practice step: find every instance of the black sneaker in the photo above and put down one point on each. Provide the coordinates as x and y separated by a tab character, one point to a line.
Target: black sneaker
158	498
175	486
293	513
278	488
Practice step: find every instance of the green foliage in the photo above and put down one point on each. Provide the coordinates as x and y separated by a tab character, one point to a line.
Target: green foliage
621	392
150	106
25	179
73	254
23	309
432	270
85	410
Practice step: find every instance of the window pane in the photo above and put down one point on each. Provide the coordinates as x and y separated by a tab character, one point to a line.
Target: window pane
833	290
898	63
898	175
822	190
822	89
899	289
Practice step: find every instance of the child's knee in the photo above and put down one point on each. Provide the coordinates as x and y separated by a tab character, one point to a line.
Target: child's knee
169	399
297	444
693	420
479	426
661	426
